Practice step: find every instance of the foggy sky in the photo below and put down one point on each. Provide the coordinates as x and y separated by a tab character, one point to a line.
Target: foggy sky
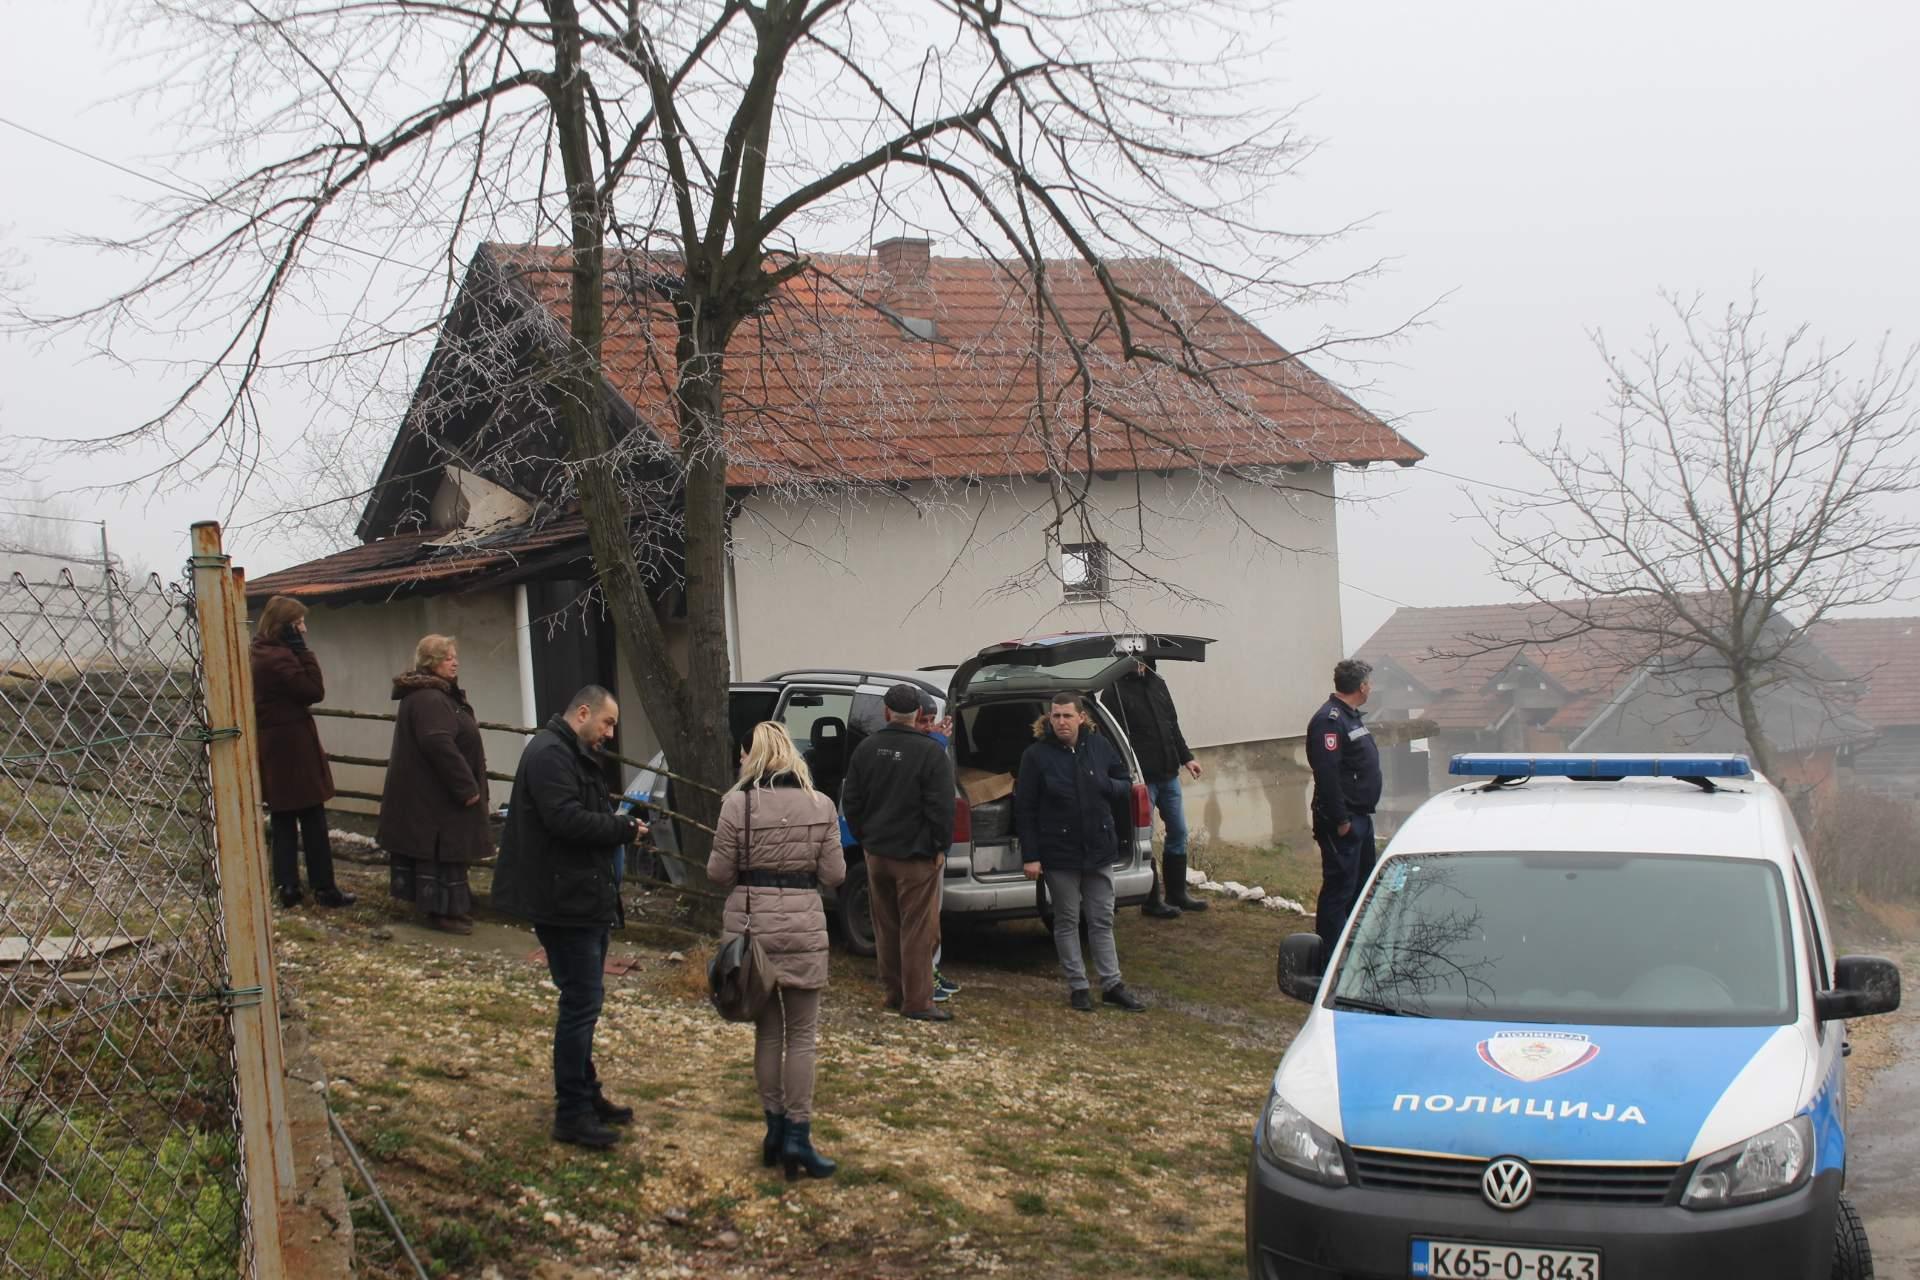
1541	171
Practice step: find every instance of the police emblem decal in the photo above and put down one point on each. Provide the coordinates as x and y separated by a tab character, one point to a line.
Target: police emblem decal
1332	740
1532	1056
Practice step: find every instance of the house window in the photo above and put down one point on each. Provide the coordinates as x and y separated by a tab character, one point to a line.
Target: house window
1416	744
1083	569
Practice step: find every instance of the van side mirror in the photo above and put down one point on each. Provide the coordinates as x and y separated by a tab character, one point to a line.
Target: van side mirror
1862	986
1301	966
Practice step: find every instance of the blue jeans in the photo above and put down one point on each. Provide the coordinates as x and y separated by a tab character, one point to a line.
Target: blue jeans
1345	863
576	959
1166	798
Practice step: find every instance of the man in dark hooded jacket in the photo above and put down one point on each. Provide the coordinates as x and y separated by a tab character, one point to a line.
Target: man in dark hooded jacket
556	870
1142	703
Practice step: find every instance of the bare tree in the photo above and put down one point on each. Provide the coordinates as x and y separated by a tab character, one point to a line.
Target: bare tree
1748	487
689	158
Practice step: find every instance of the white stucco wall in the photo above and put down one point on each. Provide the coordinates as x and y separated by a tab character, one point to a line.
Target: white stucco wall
882	584
362	647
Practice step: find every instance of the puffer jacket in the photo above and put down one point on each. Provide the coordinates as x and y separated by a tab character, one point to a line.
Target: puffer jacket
795	832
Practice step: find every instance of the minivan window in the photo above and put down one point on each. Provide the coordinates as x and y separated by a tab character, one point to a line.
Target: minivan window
1586	937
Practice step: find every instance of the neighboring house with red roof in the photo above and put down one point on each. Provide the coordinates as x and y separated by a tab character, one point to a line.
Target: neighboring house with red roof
1883	657
893	420
1509	678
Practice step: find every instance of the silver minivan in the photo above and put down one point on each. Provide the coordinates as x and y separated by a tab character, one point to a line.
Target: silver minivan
996	697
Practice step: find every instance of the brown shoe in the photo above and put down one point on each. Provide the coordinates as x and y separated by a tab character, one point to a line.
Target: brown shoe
450	924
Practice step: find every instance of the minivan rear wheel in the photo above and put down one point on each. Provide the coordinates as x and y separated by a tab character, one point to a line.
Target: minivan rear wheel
853	910
1852	1256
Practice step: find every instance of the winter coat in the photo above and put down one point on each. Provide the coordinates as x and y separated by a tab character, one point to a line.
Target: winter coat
898	795
293	765
1065	800
556	852
436	766
1144	707
795	832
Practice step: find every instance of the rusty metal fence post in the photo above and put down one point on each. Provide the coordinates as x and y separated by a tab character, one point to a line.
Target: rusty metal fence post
265	1142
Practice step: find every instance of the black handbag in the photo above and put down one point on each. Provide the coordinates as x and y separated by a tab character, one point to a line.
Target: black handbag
739	979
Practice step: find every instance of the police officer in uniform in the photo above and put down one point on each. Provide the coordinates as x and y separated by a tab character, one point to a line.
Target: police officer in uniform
1346	789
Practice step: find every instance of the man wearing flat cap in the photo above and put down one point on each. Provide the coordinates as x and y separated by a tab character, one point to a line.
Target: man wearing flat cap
898	799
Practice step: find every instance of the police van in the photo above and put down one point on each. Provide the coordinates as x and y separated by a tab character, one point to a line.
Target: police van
1585	1024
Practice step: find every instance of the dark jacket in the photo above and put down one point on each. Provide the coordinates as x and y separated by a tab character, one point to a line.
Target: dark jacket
1144	707
556	853
1345	762
435	767
293	765
898	796
1064	802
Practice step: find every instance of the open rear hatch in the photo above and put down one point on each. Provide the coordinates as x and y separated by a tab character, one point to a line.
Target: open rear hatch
1084	661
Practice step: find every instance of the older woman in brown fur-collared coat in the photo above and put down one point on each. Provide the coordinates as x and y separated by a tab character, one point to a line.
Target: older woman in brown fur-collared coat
295	781
777	843
433	812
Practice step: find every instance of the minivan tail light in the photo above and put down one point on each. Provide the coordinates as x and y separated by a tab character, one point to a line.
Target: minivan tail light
962	821
1142	806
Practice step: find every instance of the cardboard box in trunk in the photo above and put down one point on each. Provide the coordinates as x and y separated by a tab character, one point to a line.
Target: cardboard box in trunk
981	787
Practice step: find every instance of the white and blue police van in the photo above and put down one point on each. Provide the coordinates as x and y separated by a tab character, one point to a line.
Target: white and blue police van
1585	1023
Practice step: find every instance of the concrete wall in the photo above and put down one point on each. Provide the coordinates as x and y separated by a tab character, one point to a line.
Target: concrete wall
362	647
881	584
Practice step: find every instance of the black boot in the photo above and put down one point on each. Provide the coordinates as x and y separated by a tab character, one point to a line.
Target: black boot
776	1138
1153	906
1177	884
796	1151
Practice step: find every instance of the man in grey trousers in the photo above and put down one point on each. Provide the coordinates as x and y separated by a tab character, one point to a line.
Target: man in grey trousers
1071	781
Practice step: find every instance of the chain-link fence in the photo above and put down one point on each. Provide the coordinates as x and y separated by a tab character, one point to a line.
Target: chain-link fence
119	1135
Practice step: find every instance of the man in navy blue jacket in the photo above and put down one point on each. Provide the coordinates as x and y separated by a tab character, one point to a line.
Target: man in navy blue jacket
1063	802
1346	790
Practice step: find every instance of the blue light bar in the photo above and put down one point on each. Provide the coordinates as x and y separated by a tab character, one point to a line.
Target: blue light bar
1605	765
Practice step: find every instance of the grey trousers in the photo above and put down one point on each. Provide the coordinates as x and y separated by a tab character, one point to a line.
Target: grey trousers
785	1038
1089	892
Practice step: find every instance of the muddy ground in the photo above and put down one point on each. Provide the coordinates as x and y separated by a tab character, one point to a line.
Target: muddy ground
1020	1139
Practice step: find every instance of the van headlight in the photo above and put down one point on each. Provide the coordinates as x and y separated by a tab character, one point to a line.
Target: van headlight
1766	1165
1300	1146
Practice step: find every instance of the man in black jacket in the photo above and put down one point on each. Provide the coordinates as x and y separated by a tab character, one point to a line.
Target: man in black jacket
1070	781
556	870
898	799
1346	789
1142	703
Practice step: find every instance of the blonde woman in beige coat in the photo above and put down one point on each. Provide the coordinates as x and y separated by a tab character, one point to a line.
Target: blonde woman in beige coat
777	844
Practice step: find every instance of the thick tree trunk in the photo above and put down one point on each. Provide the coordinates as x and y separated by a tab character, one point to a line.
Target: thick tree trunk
689	713
1759	750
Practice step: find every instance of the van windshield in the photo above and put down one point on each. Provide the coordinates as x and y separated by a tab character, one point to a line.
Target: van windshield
1586	937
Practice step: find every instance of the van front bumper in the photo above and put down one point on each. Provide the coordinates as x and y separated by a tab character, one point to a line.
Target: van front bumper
1300	1230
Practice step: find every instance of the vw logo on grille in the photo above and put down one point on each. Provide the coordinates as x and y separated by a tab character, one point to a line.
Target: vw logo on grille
1507	1183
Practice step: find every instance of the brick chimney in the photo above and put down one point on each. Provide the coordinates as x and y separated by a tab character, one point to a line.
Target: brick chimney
903	261
905	258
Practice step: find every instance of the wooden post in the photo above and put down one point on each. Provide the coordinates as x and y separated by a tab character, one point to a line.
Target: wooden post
266	1142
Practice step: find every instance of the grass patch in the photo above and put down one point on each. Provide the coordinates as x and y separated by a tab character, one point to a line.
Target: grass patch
174	1203
1031	1203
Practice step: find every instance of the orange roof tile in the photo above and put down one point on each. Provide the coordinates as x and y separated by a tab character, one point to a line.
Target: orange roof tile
824	385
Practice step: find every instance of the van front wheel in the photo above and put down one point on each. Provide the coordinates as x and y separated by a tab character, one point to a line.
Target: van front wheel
854	910
1852	1256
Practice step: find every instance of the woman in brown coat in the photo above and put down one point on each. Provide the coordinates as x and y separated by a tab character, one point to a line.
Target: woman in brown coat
433	813
776	844
295	782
